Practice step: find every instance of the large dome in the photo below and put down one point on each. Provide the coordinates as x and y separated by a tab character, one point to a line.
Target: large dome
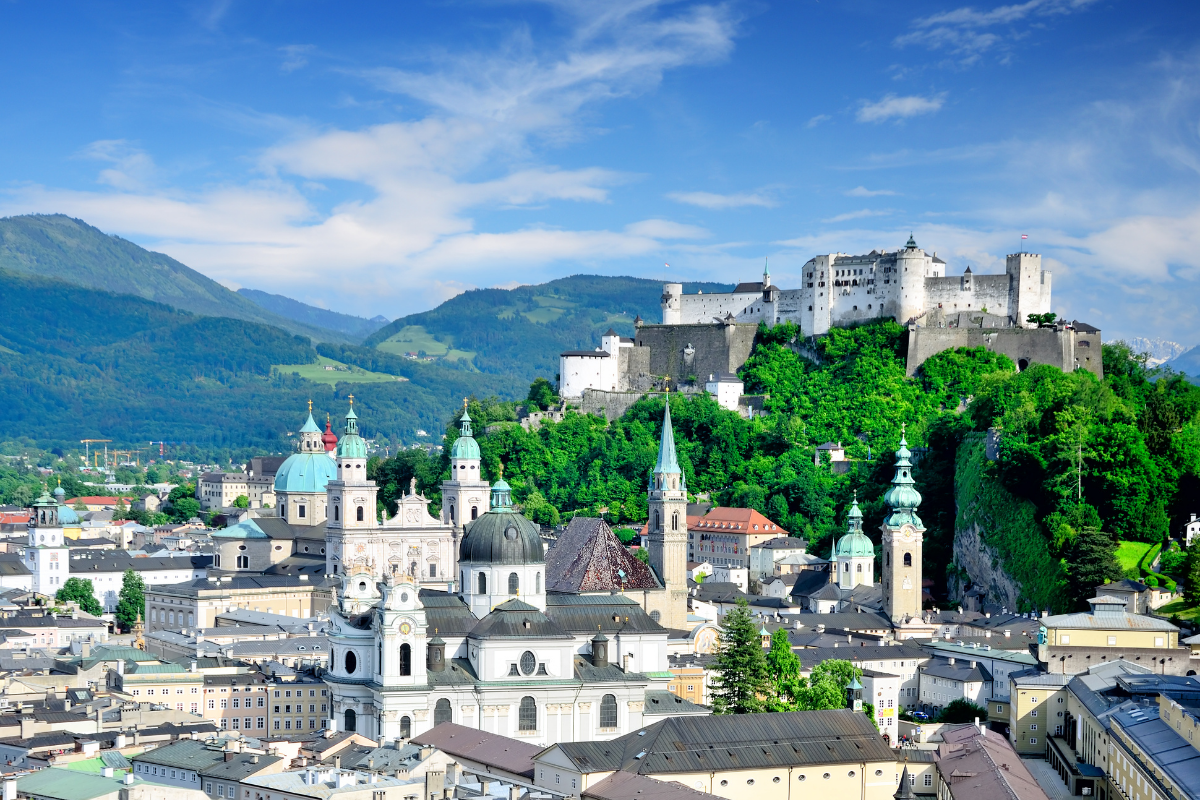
305	472
502	536
855	545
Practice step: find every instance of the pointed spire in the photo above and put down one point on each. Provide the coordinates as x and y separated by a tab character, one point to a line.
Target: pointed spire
465	420
668	463
904	790
903	498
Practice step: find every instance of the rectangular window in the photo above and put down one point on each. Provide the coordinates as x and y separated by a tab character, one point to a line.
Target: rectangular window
262	702
287	724
212	703
1064	639
1158	641
276	724
1112	640
1033	741
235	702
224	703
262	722
1033	727
195	709
928	779
235	723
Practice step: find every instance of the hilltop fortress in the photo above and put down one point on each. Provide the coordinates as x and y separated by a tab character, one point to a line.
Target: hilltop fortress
705	335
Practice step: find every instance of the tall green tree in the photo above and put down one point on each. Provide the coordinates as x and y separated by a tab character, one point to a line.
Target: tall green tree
1192	574
541	394
184	509
962	710
1092	562
79	590
826	685
740	680
131	601
783	672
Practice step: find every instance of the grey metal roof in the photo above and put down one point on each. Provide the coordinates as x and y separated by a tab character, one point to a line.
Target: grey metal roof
958	671
736	742
628	786
1108	621
663	702
447	614
606	612
1170	752
87	561
515	619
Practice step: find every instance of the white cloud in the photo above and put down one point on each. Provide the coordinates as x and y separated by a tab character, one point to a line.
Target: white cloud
894	107
817	120
723	201
862	191
665	229
962	31
866	212
132	167
295	56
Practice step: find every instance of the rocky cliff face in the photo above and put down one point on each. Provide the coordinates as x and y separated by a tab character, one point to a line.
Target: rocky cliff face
978	567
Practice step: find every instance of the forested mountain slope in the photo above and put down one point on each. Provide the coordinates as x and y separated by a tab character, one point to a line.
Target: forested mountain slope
356	328
57	246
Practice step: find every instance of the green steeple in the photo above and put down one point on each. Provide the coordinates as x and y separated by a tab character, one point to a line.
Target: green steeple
668	463
912	243
465	445
311	425
351	445
855	543
903	498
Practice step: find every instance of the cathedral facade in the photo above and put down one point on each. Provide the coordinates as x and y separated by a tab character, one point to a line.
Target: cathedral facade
500	651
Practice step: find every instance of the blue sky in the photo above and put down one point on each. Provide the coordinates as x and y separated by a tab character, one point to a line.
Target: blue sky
376	158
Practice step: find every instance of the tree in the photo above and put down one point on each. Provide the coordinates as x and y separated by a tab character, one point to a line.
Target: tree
131	602
1092	562
537	508
79	591
187	490
740	680
184	509
783	672
1192	574
962	710
826	687
120	510
541	394
642	555
79	505
21	496
241	501
1042	320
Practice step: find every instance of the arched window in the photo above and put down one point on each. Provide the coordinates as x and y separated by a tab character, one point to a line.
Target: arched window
859	569
243	562
442	712
360	513
483	583
527	715
405	728
908	559
474	512
608	711
655	520
405	660
514	583
537	583
655	615
452	513
351	721
351	662
675	521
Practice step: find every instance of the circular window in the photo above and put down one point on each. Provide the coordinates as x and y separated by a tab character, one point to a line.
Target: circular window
510	533
775	779
352	663
800	778
362	586
278	547
241	547
724	783
306	549
878	772
750	781
825	776
850	774
528	663
404	597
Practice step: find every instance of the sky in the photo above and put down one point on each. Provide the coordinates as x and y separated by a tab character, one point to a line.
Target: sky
379	158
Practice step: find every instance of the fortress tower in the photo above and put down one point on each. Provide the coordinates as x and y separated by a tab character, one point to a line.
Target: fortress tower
903	537
667	527
1029	287
672	300
910	269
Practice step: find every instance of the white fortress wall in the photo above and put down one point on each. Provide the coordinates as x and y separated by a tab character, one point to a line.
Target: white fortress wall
700	309
969	292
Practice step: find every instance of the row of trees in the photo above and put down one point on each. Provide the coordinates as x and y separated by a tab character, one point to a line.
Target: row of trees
131	600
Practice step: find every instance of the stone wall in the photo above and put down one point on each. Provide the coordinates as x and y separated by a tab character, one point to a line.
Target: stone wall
693	352
611	405
1062	348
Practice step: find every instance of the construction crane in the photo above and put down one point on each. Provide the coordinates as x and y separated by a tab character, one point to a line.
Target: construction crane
87	444
134	456
160	448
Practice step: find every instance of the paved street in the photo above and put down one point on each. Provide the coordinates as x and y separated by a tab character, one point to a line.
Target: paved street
1047	778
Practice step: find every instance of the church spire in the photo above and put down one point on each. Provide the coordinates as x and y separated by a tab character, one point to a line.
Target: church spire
903	498
668	463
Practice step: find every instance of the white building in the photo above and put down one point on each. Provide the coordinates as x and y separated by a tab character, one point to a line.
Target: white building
592	369
944	680
727	388
882	690
1191	530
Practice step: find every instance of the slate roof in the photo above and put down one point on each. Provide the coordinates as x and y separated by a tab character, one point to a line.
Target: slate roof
960	670
1108	621
515	619
446	613
986	767
663	702
810	581
489	749
628	786
608	613
736	742
118	561
588	557
199	756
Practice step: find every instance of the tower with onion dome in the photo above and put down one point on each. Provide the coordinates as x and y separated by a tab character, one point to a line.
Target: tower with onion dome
465	495
352	520
854	555
903	539
301	480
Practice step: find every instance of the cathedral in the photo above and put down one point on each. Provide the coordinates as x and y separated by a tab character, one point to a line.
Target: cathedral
459	623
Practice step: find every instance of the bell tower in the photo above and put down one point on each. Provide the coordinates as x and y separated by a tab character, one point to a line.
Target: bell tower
667	526
465	495
903	537
351	500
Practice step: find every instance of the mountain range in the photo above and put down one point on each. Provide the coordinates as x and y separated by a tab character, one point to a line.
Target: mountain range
104	339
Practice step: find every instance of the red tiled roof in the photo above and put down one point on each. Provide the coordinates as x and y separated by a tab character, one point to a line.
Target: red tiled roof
13	517
734	520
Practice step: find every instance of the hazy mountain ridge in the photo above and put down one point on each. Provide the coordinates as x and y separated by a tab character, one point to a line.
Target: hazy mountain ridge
1159	350
354	327
62	248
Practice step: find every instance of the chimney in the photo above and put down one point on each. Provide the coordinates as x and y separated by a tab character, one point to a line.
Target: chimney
229	755
952	661
337	762
435	782
129	779
119	741
27	724
426	752
514	793
85	649
192	668
10	790
106	772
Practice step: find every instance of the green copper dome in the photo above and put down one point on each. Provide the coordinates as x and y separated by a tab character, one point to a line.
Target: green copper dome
465	445
855	544
351	445
305	472
903	498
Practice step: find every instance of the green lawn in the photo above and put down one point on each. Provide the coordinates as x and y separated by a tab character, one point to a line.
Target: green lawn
414	339
341	373
1179	607
1130	554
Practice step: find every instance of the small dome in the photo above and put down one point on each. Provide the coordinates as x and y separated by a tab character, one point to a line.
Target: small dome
329	438
67	515
59	493
351	445
305	472
502	536
465	447
855	545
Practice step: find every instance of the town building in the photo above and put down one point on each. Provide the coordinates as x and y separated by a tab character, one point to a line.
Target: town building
725	537
216	767
975	763
944	680
1037	709
1070	643
766	556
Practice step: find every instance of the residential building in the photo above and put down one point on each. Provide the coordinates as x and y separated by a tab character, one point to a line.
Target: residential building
237	702
944	680
882	690
325	783
1073	642
1154	749
145	677
198	602
299	704
690	676
975	763
214	766
221	489
106	570
838	754
724	536
59	783
1137	595
999	663
1037	709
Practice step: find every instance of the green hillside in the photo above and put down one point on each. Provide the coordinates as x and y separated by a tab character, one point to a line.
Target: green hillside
523	330
57	246
79	363
354	327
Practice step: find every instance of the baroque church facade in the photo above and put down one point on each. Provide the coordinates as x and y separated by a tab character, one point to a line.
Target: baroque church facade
498	649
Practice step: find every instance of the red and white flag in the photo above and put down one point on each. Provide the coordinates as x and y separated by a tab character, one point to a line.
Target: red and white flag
667	265
1024	236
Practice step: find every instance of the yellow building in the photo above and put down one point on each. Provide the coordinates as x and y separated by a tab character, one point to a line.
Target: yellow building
833	755
300	703
1036	710
146	678
1150	759
1071	643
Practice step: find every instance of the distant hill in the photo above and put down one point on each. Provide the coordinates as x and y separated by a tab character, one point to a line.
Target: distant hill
57	246
522	331
356	328
1188	363
80	363
1159	350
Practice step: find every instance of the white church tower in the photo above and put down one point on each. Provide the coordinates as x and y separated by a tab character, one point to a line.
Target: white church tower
352	503
46	554
855	554
903	537
465	495
666	528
